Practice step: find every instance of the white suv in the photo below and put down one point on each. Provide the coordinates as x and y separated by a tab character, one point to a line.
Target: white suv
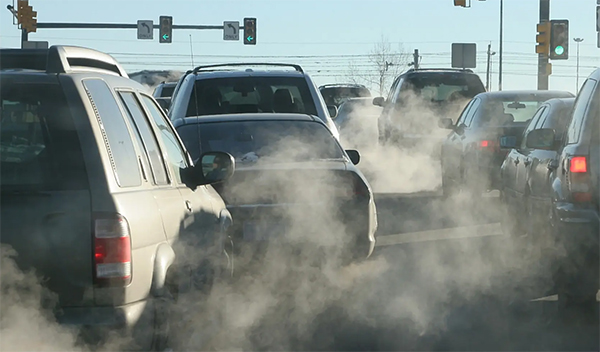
219	89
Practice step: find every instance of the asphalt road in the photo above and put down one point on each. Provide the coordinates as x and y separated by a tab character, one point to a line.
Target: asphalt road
444	277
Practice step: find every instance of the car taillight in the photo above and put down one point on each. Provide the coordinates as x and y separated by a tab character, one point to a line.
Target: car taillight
579	180
112	249
489	144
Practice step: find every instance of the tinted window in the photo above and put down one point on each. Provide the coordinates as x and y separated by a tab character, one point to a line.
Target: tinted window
251	94
144	129
175	153
337	95
500	110
472	112
276	141
120	146
39	144
559	119
463	116
438	87
167	91
533	124
583	100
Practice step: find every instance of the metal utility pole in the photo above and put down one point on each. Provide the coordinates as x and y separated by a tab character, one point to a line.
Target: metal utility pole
488	76
501	43
577	40
416	59
543	58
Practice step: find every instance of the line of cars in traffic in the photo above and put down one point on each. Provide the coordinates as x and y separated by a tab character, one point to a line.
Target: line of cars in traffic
540	149
121	205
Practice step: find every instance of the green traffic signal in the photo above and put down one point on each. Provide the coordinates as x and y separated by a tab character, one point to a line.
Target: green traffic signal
559	50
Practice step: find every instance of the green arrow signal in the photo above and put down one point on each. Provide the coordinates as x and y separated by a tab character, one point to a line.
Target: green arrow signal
250	38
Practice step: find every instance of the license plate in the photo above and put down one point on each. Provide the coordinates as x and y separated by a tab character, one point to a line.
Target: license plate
262	231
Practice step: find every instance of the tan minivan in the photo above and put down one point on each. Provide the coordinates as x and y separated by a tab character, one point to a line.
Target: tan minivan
100	196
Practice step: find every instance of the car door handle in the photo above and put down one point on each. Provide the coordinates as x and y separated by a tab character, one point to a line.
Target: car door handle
527	162
516	161
188	205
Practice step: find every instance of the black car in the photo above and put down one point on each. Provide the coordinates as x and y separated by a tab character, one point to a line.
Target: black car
575	182
293	180
471	154
419	98
525	188
336	94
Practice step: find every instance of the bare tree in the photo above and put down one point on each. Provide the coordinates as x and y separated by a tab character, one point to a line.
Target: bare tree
384	63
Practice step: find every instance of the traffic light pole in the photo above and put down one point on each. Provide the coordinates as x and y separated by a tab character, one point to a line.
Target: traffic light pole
54	25
543	58
24	37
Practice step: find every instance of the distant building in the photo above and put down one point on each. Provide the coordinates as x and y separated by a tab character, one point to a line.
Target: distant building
154	78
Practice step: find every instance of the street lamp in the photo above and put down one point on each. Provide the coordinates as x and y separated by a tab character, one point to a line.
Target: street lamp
577	40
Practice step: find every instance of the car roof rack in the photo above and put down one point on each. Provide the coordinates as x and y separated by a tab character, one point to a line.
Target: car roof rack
296	67
440	69
61	59
342	85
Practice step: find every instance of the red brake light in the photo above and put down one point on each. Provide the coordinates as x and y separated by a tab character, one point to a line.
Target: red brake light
484	144
578	164
112	249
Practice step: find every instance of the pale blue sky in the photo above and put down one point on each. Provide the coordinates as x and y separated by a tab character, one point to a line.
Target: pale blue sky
330	32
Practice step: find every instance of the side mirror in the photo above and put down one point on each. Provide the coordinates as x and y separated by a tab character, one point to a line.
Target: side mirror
379	101
508	142
543	138
214	167
354	156
446	123
333	111
164	103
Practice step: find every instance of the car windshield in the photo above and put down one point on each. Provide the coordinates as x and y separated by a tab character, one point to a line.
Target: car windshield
442	87
230	95
497	112
337	95
39	145
273	141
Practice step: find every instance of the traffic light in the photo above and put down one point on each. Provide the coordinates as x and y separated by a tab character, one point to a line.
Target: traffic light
250	31
559	40
26	16
543	38
462	3
166	29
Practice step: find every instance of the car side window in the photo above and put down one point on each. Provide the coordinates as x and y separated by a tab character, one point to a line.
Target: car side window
581	104
140	122
175	152
465	113
533	124
472	112
119	144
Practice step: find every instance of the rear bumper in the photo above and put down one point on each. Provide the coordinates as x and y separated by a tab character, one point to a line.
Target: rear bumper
578	243
133	321
354	222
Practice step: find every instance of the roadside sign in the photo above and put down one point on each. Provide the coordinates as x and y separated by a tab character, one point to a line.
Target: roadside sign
145	29
35	45
231	30
464	55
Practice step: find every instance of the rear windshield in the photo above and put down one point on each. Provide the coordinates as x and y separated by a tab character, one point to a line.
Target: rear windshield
499	112
441	87
167	91
337	95
276	141
232	95
39	145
